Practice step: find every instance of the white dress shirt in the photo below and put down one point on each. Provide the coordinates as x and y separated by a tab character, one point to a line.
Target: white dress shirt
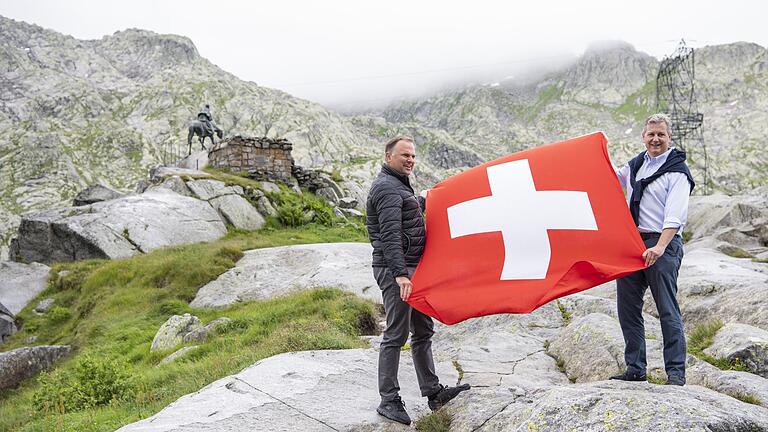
665	201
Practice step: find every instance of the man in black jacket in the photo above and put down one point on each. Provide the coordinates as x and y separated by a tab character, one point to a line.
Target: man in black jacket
396	229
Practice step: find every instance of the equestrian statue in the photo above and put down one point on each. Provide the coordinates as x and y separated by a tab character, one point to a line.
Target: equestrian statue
203	127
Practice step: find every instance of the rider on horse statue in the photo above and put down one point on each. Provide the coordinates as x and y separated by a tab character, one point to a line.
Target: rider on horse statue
203	127
206	118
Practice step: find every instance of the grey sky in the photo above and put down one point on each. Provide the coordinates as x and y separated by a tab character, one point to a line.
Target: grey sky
339	52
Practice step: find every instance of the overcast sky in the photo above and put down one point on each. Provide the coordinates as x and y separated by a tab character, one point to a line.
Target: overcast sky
365	52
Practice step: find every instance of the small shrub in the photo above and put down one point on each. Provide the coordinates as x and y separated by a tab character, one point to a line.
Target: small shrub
172	307
748	398
564	312
703	335
687	235
58	314
92	382
459	369
438	421
290	214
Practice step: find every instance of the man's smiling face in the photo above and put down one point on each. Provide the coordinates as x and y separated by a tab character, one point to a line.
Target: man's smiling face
656	138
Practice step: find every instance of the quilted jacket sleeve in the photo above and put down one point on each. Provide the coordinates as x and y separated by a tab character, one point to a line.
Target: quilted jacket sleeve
389	207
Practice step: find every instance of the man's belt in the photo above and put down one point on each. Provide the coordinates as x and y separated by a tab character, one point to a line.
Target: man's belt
649	235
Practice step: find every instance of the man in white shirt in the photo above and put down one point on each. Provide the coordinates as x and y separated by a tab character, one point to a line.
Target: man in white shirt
658	183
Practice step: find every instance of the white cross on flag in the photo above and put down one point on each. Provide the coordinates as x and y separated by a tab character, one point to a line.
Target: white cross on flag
513	234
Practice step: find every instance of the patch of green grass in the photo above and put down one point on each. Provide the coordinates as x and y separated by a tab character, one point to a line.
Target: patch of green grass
737	253
655	379
459	369
687	235
748	398
702	337
109	311
639	105
567	316
760	260
438	421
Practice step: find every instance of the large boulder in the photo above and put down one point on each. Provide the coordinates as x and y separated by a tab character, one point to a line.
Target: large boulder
7	324
173	183
118	228
503	351
606	406
300	391
740	385
172	332
741	220
229	202
200	334
742	342
271	272
591	348
94	194
23	363
714	285
20	283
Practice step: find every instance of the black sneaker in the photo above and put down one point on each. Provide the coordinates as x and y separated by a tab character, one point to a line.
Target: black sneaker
394	410
675	380
445	394
630	376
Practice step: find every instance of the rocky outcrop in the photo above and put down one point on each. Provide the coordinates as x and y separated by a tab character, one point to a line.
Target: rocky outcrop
229	202
181	352
118	228
606	406
713	285
740	221
172	332
302	391
20	364
743	343
20	283
94	194
739	385
7	324
343	265
200	334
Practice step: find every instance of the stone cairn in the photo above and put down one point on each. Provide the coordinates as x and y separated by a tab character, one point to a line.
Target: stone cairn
266	159
262	158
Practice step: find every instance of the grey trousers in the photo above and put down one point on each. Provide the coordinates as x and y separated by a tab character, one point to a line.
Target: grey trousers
401	320
662	278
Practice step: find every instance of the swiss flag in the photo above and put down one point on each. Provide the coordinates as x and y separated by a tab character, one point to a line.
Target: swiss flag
511	235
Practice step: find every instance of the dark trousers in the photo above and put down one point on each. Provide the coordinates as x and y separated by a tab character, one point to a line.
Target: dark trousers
402	319
662	278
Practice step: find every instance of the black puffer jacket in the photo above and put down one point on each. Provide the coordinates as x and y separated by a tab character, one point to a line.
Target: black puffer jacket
395	222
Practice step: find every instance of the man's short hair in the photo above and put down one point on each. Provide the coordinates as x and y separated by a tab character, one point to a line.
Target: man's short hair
392	142
657	119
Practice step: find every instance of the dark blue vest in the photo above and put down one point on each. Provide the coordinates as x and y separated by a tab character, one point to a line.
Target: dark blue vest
675	163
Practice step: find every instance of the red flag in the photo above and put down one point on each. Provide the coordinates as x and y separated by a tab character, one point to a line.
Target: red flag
511	235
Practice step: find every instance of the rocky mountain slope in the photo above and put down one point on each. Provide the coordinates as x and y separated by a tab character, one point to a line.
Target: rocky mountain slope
81	112
610	88
75	113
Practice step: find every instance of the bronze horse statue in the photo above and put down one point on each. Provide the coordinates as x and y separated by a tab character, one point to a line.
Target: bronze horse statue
196	127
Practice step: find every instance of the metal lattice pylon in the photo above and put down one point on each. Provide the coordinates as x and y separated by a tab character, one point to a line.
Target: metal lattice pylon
676	96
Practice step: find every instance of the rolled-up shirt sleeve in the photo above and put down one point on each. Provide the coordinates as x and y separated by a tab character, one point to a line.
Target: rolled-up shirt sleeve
676	205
